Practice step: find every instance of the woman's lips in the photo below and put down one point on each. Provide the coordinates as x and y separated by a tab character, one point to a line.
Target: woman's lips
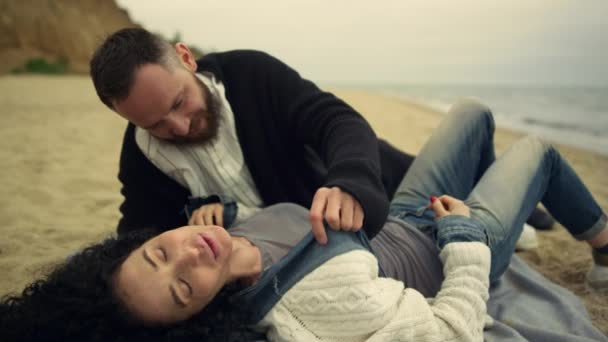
213	247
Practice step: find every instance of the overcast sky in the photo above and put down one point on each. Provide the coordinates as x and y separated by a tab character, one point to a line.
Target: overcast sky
558	42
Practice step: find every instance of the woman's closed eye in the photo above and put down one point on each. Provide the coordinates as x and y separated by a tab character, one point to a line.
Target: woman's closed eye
185	287
162	255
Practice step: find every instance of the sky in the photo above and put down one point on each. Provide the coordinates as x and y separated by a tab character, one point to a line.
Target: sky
524	42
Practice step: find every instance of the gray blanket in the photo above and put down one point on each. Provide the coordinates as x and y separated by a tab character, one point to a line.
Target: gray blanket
528	307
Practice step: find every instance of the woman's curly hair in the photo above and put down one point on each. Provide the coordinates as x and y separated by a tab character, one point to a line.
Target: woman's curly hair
76	302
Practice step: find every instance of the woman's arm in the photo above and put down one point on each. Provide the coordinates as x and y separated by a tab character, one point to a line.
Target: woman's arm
344	298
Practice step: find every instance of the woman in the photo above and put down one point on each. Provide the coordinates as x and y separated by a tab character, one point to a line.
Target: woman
205	281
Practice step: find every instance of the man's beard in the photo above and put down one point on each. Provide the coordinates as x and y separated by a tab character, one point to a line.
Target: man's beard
211	116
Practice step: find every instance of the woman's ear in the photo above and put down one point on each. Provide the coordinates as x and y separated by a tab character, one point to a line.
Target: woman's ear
185	56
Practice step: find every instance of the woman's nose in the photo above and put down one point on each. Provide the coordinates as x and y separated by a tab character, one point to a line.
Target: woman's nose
188	257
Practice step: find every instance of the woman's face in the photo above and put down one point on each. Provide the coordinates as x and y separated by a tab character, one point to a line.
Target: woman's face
176	274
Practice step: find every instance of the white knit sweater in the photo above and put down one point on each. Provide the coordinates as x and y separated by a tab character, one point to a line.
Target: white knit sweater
345	300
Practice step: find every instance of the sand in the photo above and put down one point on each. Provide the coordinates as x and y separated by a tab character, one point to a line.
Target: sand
60	149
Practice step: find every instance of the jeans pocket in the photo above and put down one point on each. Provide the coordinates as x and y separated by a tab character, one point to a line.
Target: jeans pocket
420	211
418	217
403	212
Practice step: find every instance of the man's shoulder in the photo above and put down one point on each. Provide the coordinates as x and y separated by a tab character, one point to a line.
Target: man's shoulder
235	54
130	151
129	136
219	62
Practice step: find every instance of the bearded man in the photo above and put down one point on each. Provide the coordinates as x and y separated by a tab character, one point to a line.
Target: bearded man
211	141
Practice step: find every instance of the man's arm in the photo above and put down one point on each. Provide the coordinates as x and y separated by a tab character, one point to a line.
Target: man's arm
151	199
340	136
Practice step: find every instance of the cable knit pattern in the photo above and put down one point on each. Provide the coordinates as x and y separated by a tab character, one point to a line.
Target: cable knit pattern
345	300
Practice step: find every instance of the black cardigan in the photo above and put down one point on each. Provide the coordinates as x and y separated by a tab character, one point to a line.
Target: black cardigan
280	119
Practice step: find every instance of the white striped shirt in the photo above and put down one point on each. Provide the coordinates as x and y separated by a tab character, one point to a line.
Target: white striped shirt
210	168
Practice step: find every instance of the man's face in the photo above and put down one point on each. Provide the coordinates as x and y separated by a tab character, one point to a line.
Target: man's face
172	104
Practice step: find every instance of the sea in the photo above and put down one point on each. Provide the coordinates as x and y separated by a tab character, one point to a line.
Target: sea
573	115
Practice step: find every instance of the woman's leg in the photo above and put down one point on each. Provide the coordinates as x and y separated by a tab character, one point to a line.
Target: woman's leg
529	172
451	162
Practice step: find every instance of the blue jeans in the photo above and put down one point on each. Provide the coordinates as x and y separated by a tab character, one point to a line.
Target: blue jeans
459	160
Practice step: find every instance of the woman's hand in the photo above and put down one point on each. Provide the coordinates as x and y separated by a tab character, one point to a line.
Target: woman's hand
208	214
447	205
458	228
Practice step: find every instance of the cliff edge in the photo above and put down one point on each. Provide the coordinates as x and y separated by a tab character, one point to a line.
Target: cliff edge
56	29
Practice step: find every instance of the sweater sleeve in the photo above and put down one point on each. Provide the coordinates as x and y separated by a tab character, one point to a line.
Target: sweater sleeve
151	199
340	136
345	300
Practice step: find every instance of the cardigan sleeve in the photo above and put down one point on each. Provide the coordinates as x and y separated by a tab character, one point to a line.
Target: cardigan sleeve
150	198
345	300
339	135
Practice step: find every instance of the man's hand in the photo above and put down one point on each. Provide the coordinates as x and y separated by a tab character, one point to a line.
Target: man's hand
341	210
208	214
447	205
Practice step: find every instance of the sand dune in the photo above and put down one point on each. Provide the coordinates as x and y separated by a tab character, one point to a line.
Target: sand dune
60	150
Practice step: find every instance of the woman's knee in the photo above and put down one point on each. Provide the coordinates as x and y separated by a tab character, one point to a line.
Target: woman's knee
537	144
474	110
535	147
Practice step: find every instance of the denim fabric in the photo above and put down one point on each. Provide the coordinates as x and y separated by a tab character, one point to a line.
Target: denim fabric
459	228
230	207
459	160
302	259
530	172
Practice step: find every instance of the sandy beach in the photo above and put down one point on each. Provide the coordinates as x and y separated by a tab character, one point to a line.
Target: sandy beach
60	149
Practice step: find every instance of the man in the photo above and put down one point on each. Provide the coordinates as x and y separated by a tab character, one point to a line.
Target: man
211	141
218	138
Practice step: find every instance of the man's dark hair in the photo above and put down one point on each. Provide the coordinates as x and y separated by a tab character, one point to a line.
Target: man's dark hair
77	302
115	61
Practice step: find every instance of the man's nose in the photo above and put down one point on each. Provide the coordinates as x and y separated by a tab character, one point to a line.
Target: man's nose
180	124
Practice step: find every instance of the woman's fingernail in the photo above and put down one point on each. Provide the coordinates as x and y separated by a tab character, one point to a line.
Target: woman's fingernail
433	199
